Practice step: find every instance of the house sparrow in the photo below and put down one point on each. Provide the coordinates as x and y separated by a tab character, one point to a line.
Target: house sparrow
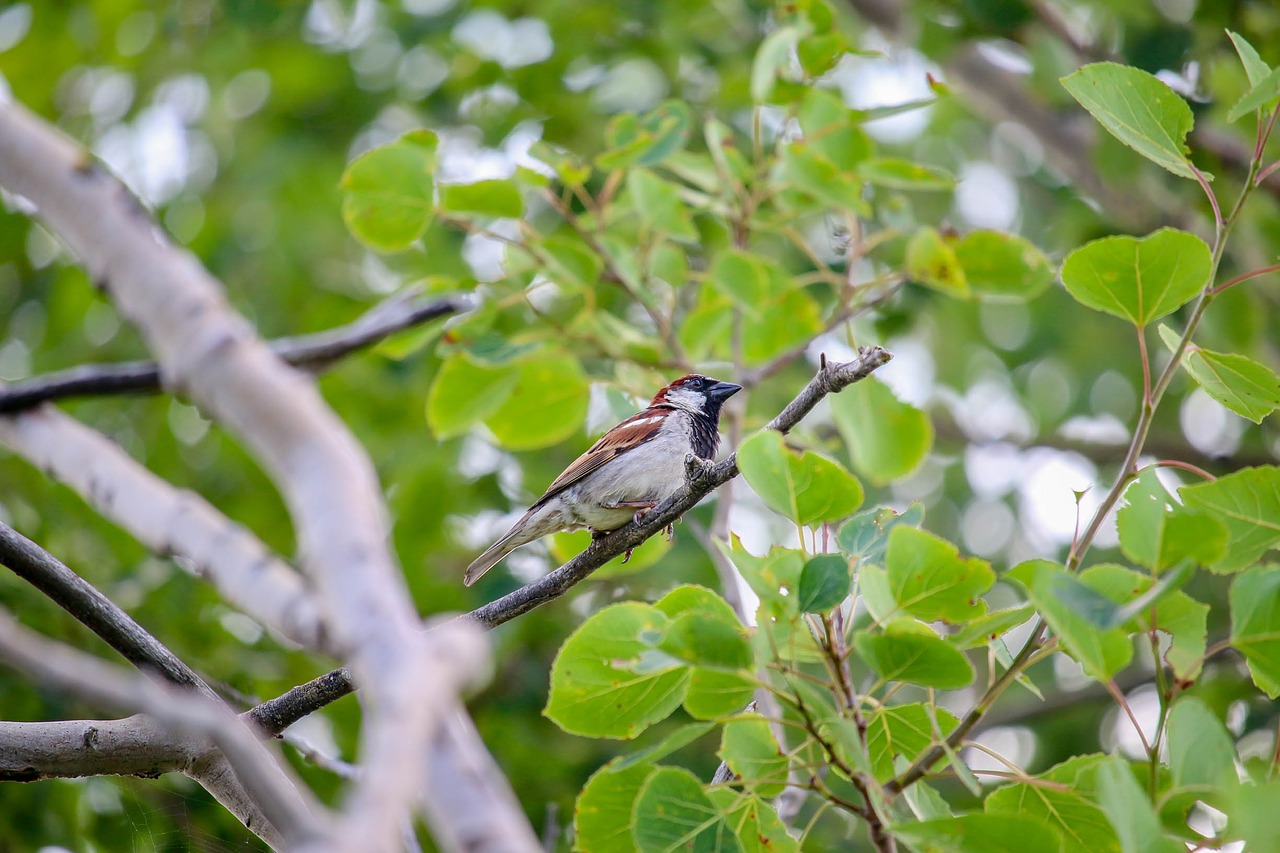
630	470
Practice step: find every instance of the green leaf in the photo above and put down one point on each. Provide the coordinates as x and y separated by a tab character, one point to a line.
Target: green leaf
902	731
1255	624
387	193
910	651
677	740
714	694
752	753
824	583
464	393
789	322
980	833
1102	653
830	128
926	577
1248	503
1129	810
700	639
571	261
602	816
1253	816
898	174
1244	386
1002	266
805	487
1263	95
1138	109
749	280
865	537
1138	280
674	813
756	824
1254	68
1201	753
598	690
1177	614
773	56
646	140
659	205
547	405
1157	533
992	626
486	198
1065	805
807	168
887	439
775	578
932	261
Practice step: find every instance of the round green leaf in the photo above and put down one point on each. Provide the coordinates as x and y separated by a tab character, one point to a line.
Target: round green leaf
1003	266
547	404
485	198
898	174
1137	108
887	439
927	578
1138	280
749	280
602	816
910	651
1158	533
1102	653
610	680
824	583
1201	753
805	487
1244	386
1255	624
673	813
932	261
1248	503
980	833
464	393
387	193
752	753
903	730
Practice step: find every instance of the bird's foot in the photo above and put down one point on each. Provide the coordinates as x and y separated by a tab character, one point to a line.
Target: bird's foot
696	468
671	530
627	556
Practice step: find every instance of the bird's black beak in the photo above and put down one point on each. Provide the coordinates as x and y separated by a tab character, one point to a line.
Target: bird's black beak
722	391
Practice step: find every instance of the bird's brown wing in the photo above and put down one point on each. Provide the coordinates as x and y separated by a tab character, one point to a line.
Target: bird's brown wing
631	433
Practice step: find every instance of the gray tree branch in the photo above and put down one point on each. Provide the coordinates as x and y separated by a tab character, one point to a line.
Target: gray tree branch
209	353
314	352
291	811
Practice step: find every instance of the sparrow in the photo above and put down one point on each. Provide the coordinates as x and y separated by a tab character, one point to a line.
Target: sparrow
630	470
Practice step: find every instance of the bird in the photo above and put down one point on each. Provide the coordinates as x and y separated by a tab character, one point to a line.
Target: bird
630	470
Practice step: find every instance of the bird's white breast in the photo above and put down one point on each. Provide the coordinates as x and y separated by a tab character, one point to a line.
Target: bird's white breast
651	472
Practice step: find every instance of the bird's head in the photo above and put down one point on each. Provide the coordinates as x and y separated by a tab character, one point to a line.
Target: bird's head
696	394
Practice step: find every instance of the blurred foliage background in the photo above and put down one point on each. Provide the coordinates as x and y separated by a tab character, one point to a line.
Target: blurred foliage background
234	121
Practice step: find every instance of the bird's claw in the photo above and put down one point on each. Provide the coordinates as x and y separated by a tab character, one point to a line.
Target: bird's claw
627	556
671	531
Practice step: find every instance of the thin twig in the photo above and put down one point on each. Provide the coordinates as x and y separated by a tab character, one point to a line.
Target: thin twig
316	352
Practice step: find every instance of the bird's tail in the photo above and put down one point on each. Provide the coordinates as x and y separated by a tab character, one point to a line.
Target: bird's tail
488	560
514	538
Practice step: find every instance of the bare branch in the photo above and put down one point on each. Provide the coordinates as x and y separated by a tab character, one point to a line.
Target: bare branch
294	814
208	352
94	610
315	352
169	521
